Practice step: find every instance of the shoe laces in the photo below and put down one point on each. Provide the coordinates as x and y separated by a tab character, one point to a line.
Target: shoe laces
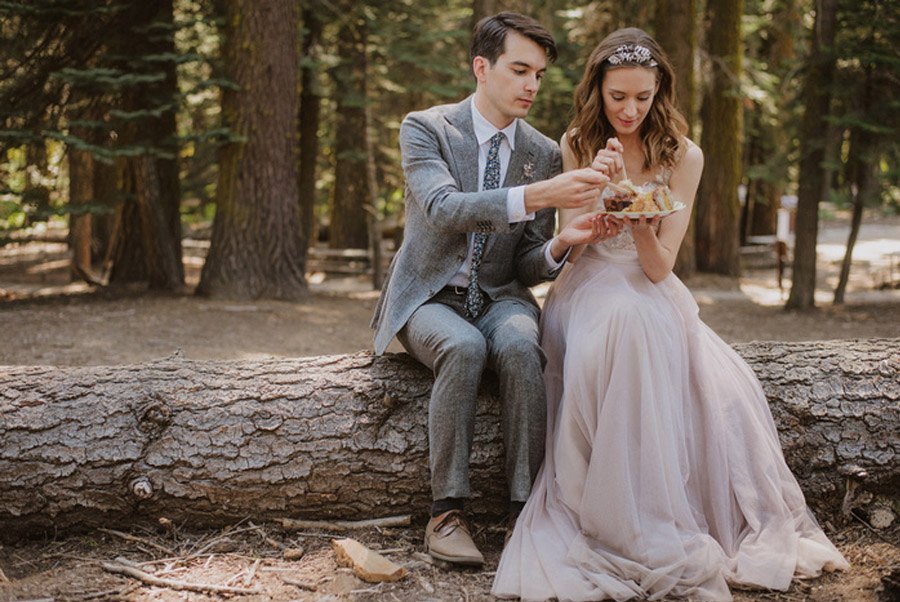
454	520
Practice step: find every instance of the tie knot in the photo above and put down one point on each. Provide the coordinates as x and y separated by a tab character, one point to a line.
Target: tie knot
496	139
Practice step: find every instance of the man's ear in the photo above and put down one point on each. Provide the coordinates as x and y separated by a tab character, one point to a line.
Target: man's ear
480	66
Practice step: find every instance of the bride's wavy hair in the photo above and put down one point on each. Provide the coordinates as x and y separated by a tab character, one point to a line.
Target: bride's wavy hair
664	126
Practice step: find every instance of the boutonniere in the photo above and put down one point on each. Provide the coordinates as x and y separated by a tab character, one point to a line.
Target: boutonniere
528	171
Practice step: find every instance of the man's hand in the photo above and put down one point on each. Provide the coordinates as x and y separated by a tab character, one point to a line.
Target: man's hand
585	229
569	190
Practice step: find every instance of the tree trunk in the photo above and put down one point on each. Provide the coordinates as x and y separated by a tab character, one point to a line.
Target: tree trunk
373	215
785	28
863	181
81	193
676	32
718	209
813	135
148	247
346	436
480	10
310	109
349	227
106	193
256	250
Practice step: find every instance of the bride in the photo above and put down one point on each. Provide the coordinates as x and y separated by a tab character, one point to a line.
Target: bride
663	473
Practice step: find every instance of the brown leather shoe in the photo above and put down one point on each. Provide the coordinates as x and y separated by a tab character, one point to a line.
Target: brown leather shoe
447	537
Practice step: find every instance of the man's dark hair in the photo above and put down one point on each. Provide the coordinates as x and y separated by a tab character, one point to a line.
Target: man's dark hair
489	39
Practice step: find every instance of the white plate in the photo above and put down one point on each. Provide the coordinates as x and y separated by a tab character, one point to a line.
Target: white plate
678	206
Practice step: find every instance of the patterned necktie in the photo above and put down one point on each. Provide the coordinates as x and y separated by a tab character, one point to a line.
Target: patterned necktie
474	297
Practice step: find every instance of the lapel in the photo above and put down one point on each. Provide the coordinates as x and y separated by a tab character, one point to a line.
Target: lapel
464	145
524	154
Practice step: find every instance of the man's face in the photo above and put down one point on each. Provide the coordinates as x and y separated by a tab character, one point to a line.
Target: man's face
507	88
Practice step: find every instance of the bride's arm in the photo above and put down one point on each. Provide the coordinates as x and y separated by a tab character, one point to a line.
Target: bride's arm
657	251
566	216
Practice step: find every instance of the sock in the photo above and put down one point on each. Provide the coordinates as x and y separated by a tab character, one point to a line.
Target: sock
448	503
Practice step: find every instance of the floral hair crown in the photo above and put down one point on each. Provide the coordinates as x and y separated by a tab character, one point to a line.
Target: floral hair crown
632	53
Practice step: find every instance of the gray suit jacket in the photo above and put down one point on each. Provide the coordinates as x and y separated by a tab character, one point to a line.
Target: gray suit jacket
440	164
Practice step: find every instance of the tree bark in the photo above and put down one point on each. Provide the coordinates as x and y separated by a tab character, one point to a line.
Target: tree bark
717	207
480	10
813	135
346	436
148	248
862	167
310	109
255	250
676	32
81	193
784	29
349	225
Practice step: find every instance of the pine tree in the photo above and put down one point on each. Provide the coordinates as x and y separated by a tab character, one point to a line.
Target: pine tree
717	207
255	250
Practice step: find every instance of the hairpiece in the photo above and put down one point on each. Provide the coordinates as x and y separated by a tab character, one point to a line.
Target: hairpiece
632	53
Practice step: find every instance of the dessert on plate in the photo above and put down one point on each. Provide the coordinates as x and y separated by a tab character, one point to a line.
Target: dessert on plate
629	198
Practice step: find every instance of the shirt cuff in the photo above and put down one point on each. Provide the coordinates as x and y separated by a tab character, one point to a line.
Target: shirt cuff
554	265
515	206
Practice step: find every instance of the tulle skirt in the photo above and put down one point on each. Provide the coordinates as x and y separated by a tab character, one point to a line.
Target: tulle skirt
663	473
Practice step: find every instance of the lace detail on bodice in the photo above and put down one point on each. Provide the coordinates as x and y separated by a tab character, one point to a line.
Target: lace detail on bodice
623	241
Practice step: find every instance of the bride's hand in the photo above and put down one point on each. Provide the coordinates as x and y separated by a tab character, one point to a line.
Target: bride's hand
589	228
609	161
643	226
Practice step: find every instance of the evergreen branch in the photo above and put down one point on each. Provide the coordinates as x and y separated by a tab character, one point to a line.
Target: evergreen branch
93	76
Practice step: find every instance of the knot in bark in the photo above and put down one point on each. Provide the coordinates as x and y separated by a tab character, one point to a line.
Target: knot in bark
155	417
141	488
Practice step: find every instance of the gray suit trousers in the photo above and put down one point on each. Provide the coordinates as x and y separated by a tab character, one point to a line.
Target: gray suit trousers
504	338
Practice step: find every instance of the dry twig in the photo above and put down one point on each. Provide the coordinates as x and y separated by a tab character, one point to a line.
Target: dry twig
301	584
136	539
149	579
252	573
292	524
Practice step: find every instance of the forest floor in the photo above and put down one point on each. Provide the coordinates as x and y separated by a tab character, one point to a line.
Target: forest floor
47	319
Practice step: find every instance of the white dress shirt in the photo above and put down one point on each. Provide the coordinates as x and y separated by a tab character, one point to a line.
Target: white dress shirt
515	197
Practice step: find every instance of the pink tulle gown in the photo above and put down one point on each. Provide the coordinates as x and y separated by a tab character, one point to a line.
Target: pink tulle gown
663	473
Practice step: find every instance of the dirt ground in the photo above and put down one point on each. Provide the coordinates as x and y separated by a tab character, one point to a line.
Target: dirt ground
251	557
47	319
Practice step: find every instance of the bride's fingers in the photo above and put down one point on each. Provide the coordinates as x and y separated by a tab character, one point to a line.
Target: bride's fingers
615	145
600	166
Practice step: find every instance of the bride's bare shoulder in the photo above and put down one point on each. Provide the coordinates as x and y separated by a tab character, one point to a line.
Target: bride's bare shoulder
568	154
691	159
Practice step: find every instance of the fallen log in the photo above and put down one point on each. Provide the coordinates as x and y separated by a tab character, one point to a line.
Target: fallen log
344	437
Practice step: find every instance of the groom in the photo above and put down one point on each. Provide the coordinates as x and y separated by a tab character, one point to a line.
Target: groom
481	187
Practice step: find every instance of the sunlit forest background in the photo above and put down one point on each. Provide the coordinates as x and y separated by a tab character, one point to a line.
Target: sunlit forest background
264	131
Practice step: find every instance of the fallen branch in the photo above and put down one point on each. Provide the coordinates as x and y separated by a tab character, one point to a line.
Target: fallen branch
149	579
301	584
136	539
292	524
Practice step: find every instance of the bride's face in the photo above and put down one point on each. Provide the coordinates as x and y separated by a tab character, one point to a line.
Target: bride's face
627	97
